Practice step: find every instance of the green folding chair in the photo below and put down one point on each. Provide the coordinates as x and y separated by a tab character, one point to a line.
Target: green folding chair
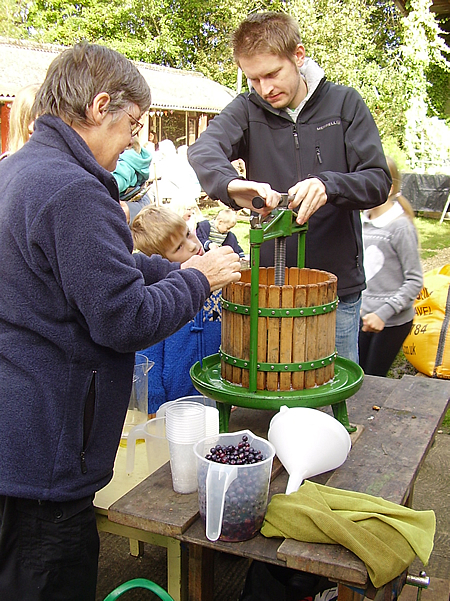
139	583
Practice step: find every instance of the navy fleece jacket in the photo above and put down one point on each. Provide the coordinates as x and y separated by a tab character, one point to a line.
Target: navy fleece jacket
75	305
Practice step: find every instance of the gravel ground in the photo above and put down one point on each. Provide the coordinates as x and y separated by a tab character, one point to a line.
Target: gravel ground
442	257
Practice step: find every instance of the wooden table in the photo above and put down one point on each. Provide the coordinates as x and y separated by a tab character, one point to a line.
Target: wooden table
121	483
398	419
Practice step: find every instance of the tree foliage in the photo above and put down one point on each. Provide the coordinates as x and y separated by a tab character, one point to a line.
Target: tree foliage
390	58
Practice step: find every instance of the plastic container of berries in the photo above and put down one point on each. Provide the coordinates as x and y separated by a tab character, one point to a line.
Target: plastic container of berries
233	472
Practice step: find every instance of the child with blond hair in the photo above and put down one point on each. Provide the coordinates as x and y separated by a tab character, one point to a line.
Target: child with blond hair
21	119
159	230
213	234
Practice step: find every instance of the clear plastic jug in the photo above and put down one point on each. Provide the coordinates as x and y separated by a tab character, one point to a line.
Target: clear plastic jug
233	498
137	412
153	432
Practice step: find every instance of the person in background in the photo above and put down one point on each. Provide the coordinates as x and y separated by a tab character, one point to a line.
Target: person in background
189	210
190	186
213	234
301	134
21	119
158	230
75	306
131	173
394	279
176	181
132	168
152	144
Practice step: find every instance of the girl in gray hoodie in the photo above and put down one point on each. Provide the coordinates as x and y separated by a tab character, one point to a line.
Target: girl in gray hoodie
394	279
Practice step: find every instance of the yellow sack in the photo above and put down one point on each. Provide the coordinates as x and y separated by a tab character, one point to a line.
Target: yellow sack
427	346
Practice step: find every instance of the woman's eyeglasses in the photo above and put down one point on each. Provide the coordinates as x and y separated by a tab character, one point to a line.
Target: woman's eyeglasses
135	125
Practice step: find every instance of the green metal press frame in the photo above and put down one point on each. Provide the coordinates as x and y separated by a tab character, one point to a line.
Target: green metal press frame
206	376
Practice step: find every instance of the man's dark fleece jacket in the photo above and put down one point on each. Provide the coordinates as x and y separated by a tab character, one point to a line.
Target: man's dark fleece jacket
75	305
334	139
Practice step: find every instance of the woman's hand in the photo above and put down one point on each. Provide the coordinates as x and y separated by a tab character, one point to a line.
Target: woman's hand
221	266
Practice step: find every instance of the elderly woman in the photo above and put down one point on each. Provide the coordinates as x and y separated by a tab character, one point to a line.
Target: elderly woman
75	305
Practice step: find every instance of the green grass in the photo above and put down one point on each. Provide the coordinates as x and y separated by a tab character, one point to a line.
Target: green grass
446	422
433	236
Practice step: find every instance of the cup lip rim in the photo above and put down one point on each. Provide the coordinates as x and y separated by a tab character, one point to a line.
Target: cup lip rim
241	432
182	404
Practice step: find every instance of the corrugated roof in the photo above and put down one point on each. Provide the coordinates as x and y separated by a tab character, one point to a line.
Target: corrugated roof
23	63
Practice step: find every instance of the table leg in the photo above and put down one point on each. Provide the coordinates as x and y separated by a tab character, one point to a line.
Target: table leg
201	573
347	594
177	570
177	561
136	547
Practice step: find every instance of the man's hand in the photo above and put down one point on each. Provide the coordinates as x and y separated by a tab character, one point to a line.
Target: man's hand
310	194
243	192
372	323
221	266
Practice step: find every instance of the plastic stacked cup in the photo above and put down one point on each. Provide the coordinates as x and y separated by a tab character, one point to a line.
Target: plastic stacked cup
185	426
211	421
161	412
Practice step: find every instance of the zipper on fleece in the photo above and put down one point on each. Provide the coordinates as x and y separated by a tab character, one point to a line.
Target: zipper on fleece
88	419
83	462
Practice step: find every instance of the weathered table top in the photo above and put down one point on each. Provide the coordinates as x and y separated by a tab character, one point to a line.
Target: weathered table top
399	419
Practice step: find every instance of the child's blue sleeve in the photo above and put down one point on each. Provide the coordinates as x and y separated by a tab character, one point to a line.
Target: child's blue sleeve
169	378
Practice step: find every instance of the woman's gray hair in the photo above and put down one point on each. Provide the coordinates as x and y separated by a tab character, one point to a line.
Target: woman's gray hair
79	74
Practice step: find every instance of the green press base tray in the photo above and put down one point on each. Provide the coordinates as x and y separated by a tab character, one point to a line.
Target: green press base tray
347	380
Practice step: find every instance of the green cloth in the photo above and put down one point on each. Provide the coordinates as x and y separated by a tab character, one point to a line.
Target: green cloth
384	535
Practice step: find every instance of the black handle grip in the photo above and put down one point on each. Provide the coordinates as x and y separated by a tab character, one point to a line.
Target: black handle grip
258	202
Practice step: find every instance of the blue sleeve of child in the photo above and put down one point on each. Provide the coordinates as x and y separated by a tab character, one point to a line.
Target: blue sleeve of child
232	241
203	231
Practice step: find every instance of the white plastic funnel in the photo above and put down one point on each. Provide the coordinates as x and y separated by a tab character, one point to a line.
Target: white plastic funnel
308	442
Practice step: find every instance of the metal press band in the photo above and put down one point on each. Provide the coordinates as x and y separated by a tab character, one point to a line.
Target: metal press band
279	367
281	312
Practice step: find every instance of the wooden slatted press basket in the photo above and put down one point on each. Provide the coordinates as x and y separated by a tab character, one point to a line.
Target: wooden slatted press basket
296	330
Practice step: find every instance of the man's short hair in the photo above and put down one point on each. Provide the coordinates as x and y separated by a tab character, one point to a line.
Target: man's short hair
77	75
267	32
154	228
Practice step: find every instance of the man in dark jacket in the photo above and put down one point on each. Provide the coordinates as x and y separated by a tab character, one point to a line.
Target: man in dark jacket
301	134
75	305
